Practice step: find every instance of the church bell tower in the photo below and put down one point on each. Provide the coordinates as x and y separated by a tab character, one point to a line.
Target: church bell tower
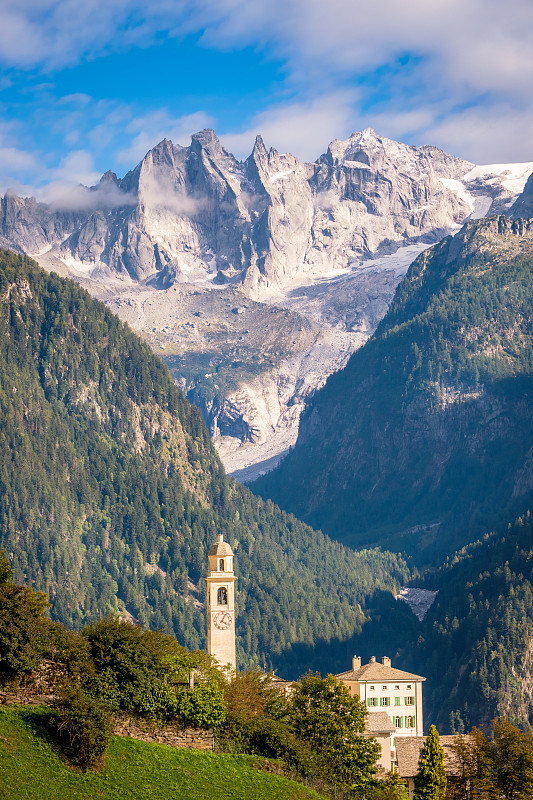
221	604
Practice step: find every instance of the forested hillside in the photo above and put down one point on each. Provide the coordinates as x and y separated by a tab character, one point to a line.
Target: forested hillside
111	492
424	441
478	636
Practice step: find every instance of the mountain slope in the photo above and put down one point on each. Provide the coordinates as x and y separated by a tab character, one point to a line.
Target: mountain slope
111	492
476	641
425	438
192	234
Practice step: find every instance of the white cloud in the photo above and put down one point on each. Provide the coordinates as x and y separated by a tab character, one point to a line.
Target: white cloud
486	136
76	167
66	196
477	44
458	73
303	129
159	190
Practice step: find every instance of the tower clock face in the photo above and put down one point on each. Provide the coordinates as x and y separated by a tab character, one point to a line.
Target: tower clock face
222	620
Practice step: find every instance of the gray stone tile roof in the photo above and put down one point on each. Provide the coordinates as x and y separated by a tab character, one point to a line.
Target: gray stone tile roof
408	751
220	547
379	722
378	672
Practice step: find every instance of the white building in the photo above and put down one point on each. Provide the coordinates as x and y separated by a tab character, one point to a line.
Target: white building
385	689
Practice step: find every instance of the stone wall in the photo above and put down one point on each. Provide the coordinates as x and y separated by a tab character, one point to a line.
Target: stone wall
144	731
195	738
24	697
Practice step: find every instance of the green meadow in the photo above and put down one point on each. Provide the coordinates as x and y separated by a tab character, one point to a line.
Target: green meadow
31	769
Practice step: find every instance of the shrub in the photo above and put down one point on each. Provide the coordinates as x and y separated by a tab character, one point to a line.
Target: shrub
203	706
83	726
126	666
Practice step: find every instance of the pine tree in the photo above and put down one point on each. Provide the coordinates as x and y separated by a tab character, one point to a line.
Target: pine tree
430	780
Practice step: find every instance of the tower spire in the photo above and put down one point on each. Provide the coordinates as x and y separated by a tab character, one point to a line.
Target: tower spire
221	603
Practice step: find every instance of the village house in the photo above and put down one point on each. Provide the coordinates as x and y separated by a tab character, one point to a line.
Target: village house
408	753
393	699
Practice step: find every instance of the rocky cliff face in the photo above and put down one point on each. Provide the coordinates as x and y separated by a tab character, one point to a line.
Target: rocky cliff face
190	213
328	241
523	207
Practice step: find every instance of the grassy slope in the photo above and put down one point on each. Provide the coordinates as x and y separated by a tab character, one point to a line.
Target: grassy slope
30	769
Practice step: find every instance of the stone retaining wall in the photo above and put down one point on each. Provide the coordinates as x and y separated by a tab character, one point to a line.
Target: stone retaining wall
144	731
195	738
24	697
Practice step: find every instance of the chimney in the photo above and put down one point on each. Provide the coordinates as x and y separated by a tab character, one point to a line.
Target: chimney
356	663
372	660
386	661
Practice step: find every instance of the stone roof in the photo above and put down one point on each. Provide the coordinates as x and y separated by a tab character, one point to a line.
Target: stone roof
408	752
280	683
378	672
379	722
220	547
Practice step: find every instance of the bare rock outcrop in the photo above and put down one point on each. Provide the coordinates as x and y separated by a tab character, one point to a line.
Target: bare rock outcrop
328	241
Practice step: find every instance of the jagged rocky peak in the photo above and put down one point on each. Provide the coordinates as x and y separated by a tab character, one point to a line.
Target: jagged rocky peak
365	148
357	147
109	177
163	154
267	223
207	140
259	150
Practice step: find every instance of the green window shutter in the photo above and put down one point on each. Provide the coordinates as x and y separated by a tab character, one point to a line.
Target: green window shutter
396	701
401	722
381	701
414	721
368	701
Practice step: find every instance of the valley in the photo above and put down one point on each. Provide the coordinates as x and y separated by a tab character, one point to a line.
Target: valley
393	375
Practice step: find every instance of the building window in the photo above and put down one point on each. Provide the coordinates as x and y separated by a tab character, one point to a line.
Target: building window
398	722
408	685
385	701
372	701
409	701
396	688
385	688
396	701
372	688
221	565
222	596
410	722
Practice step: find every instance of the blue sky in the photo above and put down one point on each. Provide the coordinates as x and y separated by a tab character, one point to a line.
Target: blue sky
91	85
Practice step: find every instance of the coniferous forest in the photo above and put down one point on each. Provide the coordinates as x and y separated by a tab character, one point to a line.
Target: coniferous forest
422	443
111	493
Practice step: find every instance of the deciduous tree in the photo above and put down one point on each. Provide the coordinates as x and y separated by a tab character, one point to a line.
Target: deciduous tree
333	722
